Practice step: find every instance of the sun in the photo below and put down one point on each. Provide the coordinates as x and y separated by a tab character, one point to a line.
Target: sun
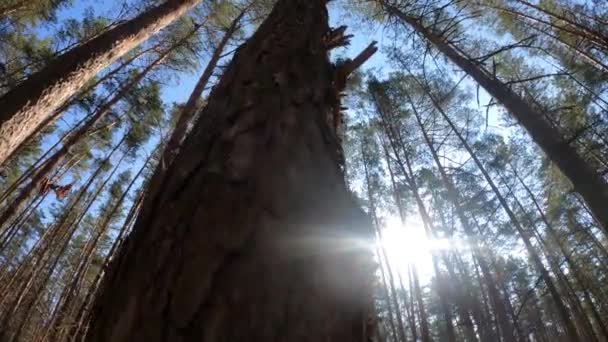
408	245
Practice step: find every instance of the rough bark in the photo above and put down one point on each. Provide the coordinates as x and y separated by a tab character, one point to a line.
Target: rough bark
26	106
585	180
251	235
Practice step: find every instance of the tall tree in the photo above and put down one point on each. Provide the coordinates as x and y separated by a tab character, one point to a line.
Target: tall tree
53	161
27	105
187	112
264	238
584	178
506	326
525	235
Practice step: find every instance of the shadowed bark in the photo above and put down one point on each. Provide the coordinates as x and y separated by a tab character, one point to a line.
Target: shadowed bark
251	234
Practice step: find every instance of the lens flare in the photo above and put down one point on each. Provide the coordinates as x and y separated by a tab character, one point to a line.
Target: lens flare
408	245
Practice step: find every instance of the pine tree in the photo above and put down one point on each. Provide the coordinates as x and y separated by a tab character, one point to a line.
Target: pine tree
586	181
256	166
26	106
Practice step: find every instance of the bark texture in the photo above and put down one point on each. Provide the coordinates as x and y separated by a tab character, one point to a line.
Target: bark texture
26	106
251	235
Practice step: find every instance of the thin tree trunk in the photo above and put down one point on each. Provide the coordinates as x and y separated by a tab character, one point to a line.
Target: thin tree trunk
58	112
585	180
561	307
78	135
249	235
454	197
79	329
408	303
391	278
188	111
457	291
411	315
572	266
581	320
406	169
10	9
65	314
474	300
37	261
63	243
387	297
26	106
415	289
579	30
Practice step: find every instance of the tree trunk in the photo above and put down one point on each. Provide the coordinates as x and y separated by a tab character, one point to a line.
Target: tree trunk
391	278
81	132
573	27
554	262
387	297
497	304
524	234
573	267
79	328
251	235
63	319
60	245
32	272
585	180
75	99
413	285
26	106
563	283
188	111
10	9
406	169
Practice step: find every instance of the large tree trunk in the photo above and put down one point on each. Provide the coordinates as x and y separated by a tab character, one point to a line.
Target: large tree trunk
585	180
26	106
251	235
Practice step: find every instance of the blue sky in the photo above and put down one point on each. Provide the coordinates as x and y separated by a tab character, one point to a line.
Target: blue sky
179	87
